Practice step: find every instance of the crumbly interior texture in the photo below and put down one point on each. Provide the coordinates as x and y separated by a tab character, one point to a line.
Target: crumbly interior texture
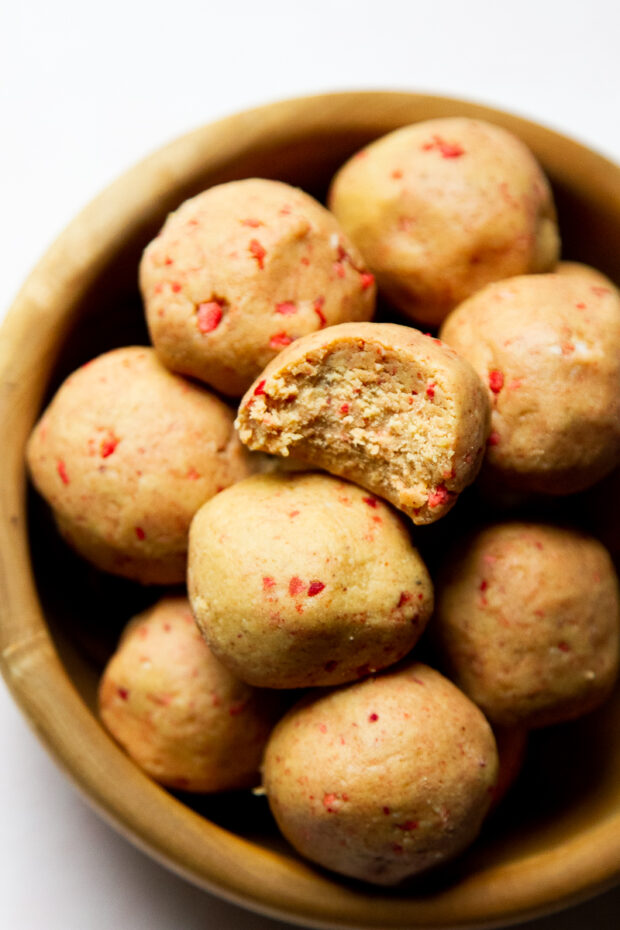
528	622
441	208
125	454
241	271
548	348
303	579
183	717
379	404
382	779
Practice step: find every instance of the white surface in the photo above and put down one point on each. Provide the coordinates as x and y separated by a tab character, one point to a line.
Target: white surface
86	91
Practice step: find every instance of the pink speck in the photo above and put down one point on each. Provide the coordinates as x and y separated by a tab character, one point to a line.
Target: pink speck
168	261
564	647
367	279
339	269
61	468
286	308
192	474
493	439
176	287
581	305
315	588
600	291
318	309
445	149
268	582
496	380
295	586
568	348
386	811
260	388
404	598
371	501
258	252
140	532
373	717
484	585
328	802
344	409
108	445
396	174
235	709
123	693
251	221
322	728
209	316
280	341
439	496
430	389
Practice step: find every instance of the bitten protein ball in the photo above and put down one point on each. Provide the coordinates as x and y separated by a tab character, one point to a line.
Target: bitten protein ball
241	271
125	454
441	208
527	621
177	711
395	411
299	580
548	349
384	778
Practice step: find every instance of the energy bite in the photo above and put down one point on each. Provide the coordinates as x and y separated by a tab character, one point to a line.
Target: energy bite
183	717
300	580
441	208
384	778
382	405
125	454
548	349
527	620
241	271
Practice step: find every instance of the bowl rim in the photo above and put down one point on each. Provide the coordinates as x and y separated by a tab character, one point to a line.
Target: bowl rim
202	852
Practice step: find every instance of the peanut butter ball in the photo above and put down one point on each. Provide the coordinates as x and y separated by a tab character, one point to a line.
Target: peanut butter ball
441	208
303	579
241	271
384	778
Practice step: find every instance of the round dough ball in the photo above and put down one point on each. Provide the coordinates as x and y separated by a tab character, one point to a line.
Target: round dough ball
527	621
299	580
383	405
239	272
440	208
548	348
125	454
177	711
384	778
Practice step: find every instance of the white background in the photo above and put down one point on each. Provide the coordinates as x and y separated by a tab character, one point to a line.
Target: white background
86	91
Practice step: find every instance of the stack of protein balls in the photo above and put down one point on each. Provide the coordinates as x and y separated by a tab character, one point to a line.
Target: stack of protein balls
301	564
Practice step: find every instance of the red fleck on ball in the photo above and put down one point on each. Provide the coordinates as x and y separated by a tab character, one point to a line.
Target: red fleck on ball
493	439
344	409
408	825
315	588
295	586
404	598
280	341
268	582
496	380
564	647
445	149
108	445
254	223
61	468
318	309
176	287
484	585
430	389
123	693
373	718
286	308
209	316
367	279
439	496
258	252
260	387
140	533
371	501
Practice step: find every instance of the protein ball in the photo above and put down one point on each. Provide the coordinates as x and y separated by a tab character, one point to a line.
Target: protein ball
548	349
125	454
177	711
527	620
441	208
304	580
241	271
384	778
395	411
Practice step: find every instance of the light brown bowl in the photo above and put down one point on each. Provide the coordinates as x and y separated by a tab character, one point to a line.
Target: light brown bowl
556	841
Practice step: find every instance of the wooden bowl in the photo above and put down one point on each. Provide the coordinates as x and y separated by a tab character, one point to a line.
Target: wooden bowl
556	841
